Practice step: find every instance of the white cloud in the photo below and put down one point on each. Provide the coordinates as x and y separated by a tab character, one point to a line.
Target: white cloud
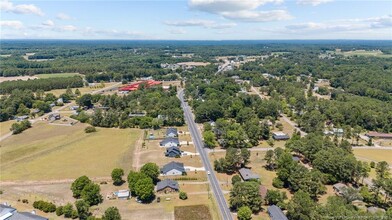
242	10
68	28
345	24
63	16
177	31
7	6
258	16
200	23
218	6
313	2
11	24
121	34
48	23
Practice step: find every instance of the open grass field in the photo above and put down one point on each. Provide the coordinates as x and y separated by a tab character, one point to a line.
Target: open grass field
5	127
195	212
376	53
82	90
48	152
376	155
57	75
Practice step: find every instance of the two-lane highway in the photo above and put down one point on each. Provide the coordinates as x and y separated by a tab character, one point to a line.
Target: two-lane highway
197	141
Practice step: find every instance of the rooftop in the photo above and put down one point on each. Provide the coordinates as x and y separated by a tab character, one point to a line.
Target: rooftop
173	165
167	183
247	174
276	213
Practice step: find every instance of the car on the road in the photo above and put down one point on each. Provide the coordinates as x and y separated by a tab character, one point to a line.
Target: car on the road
208	172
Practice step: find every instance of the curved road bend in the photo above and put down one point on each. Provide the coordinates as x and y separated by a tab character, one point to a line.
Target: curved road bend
197	140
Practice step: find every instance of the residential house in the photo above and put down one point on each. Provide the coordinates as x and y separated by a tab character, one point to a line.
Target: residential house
280	136
167	186
172	132
173	152
169	142
123	194
54	116
276	213
9	213
247	174
21	118
173	169
75	107
338	188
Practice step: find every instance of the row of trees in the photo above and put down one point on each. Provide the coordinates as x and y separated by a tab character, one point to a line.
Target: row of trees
41	84
162	108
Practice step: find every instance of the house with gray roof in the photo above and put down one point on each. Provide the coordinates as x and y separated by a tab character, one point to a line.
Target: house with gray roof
247	174
338	188
173	169
172	132
167	186
173	152
169	142
21	118
9	213
276	213
6	211
280	136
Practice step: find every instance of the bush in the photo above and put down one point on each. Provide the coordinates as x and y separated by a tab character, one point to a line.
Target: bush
67	210
59	211
277	183
18	128
90	129
183	195
44	206
372	164
235	179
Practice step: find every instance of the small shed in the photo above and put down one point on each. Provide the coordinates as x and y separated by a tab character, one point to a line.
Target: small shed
123	194
276	213
247	174
280	136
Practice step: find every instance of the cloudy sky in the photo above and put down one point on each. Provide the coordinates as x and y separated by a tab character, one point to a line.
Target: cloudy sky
196	19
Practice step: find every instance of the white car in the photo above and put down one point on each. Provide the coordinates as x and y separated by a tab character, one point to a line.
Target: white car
208	172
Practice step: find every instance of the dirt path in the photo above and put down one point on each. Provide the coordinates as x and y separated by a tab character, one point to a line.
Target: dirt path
48	182
136	153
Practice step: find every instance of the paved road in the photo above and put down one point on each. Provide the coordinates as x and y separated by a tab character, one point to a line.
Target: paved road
9	134
197	140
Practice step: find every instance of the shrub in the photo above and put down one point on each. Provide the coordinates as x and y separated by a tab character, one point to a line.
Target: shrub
372	164
235	179
59	211
90	129
44	206
276	182
183	195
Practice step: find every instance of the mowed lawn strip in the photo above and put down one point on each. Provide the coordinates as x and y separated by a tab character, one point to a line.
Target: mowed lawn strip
61	152
56	75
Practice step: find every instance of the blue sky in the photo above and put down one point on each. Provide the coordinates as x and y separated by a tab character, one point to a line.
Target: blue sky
196	19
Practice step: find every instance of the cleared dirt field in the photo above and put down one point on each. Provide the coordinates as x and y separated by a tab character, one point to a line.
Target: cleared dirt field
48	152
13	78
376	155
195	212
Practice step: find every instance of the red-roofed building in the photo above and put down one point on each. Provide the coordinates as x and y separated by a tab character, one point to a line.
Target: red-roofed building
135	86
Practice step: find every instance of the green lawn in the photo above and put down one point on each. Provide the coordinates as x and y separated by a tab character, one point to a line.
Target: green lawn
47	152
376	155
56	75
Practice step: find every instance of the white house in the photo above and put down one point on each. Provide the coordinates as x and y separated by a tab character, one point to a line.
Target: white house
173	169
